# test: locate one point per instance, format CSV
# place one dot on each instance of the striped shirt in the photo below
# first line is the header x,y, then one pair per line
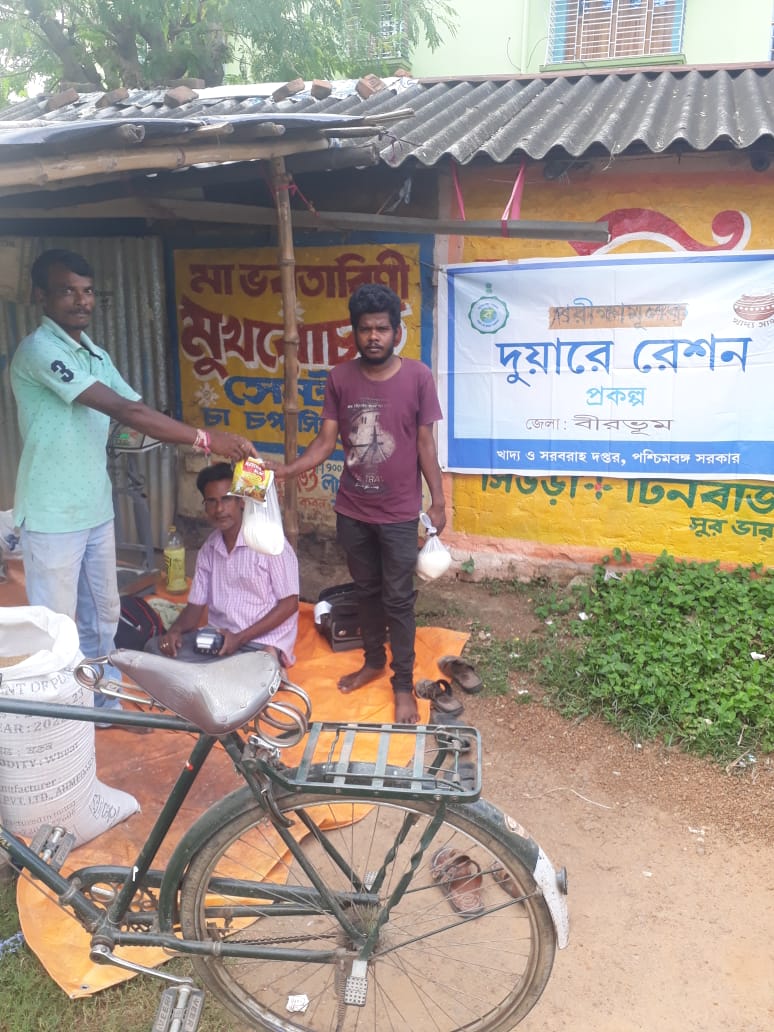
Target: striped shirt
x,y
242,586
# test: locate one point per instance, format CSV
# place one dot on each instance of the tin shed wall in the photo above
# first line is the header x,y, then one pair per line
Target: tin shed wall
x,y
130,322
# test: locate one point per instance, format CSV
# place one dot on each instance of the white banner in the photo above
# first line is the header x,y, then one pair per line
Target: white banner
x,y
638,366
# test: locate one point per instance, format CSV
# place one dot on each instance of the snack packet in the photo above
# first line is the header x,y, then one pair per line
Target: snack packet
x,y
251,479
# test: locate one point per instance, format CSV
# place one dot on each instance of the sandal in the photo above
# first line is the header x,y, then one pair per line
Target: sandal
x,y
460,880
504,880
462,673
440,695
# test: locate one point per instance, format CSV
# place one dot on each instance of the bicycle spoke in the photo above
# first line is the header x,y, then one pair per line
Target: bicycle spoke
x,y
431,968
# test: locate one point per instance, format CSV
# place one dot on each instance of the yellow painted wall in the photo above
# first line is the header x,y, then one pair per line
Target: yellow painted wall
x,y
509,524
662,205
697,519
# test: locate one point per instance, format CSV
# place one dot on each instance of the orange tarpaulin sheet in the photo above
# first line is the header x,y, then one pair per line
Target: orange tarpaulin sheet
x,y
146,766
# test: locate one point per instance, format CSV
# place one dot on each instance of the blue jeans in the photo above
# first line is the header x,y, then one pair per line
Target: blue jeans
x,y
381,560
75,574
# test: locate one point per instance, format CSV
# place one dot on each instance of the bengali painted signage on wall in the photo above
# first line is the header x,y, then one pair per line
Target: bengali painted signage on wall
x,y
230,340
230,330
642,366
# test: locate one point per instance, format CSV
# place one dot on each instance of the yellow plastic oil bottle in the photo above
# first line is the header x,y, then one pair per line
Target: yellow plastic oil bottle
x,y
174,563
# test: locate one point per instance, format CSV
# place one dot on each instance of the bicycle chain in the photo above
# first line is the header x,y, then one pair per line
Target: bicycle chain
x,y
276,940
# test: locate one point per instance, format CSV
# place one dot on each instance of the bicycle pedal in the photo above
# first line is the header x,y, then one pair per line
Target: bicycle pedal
x,y
356,985
52,844
180,1008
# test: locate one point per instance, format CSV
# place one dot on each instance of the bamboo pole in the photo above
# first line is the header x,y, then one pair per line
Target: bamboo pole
x,y
44,171
287,264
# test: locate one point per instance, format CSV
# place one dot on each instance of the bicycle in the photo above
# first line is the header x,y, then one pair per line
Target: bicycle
x,y
320,896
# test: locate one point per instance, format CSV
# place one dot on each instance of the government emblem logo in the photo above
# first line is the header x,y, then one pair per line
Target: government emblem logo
x,y
489,313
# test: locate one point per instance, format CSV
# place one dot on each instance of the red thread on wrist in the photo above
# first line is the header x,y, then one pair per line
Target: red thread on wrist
x,y
202,442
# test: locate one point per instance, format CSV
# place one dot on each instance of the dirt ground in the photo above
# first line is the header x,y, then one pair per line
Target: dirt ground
x,y
670,859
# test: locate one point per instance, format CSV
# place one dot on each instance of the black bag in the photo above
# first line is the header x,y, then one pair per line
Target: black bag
x,y
137,624
337,617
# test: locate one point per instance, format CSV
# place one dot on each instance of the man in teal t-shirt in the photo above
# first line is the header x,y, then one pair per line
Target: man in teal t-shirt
x,y
67,390
62,483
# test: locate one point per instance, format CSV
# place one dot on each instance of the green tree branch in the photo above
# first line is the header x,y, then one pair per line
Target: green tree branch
x,y
145,43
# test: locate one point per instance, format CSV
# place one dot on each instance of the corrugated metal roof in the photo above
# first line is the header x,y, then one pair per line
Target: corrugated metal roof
x,y
574,114
587,114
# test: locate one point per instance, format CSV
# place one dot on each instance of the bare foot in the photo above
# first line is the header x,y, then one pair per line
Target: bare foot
x,y
406,711
366,674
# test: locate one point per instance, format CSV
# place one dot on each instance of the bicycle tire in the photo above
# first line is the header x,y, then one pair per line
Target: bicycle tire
x,y
433,969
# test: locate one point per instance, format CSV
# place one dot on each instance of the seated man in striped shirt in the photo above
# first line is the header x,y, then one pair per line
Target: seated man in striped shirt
x,y
251,599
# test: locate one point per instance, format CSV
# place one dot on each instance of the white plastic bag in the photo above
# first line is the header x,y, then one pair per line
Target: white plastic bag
x,y
434,557
262,524
48,772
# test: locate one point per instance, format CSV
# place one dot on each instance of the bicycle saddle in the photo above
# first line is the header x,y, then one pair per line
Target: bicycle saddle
x,y
218,697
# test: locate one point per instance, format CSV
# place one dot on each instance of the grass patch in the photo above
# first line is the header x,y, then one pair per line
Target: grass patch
x,y
498,661
493,658
33,1002
681,651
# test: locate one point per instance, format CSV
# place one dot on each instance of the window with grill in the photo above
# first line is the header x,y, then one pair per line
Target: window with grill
x,y
598,30
388,41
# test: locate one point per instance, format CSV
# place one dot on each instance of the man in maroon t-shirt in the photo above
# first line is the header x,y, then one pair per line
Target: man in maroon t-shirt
x,y
383,407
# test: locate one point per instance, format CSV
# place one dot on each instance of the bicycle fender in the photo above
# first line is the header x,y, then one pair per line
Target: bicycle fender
x,y
190,844
552,883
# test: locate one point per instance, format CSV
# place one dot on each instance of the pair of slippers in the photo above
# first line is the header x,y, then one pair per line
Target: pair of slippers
x,y
458,674
461,674
461,880
442,700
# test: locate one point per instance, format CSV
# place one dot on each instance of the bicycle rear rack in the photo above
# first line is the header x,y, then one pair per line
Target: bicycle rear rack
x,y
370,760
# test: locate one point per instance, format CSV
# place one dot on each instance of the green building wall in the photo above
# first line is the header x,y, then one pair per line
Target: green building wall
x,y
509,37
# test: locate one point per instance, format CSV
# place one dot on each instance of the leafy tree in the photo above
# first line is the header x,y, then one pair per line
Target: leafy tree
x,y
140,43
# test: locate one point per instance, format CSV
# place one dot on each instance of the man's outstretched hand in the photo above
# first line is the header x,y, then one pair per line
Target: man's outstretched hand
x,y
231,446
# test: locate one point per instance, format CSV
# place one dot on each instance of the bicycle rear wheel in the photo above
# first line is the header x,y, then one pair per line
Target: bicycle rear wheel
x,y
433,968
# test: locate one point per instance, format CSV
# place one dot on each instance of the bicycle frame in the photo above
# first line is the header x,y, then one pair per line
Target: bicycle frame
x,y
104,922
367,863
